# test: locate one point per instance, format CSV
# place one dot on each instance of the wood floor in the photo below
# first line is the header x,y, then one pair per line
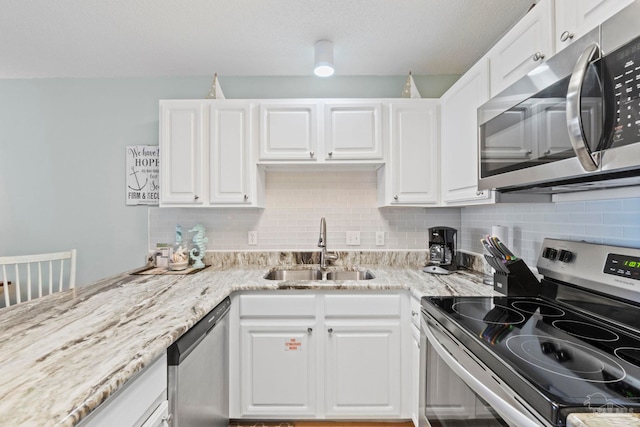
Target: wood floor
x,y
319,424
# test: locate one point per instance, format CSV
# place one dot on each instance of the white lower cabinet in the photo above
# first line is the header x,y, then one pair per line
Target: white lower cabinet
x,y
324,355
142,402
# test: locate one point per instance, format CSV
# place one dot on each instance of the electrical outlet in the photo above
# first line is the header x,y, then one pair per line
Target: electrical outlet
x,y
252,238
353,238
379,238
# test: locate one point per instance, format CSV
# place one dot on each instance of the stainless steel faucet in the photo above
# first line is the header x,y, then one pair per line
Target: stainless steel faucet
x,y
322,243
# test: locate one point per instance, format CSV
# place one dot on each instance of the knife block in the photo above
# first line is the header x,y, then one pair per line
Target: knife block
x,y
519,282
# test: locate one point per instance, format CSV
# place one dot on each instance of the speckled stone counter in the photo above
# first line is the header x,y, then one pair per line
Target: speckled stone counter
x,y
64,354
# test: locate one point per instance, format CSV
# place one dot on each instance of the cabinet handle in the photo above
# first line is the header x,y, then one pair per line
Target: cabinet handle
x,y
528,152
414,313
395,197
311,154
309,330
479,193
246,197
566,35
538,56
547,152
330,330
330,153
195,197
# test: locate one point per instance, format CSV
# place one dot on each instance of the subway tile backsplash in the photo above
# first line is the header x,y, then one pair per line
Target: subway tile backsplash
x,y
295,202
612,222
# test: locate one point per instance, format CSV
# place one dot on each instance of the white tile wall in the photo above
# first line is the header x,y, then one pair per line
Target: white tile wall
x,y
295,202
614,222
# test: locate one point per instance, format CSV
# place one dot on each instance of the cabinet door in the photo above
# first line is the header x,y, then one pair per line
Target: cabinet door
x,y
278,369
288,131
181,157
415,374
459,136
523,48
362,361
574,18
353,130
229,153
414,153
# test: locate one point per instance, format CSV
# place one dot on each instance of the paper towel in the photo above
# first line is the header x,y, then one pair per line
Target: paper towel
x,y
501,232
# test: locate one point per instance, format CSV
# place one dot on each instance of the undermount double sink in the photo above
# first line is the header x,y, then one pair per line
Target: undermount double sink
x,y
348,273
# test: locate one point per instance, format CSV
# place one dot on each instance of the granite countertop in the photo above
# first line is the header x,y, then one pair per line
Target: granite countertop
x,y
64,354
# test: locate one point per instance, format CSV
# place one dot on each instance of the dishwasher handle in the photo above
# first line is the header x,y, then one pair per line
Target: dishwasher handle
x,y
184,345
511,414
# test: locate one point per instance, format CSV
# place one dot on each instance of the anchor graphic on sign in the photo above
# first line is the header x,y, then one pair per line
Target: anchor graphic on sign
x,y
134,172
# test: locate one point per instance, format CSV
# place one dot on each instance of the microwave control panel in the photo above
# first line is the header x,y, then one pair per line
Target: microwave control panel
x,y
623,66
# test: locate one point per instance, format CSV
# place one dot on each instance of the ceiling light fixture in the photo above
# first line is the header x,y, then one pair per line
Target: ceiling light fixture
x,y
323,58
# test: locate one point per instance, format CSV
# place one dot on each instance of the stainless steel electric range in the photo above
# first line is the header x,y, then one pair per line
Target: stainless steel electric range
x,y
533,360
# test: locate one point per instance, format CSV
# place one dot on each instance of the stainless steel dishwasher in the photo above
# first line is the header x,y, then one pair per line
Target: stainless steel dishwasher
x,y
198,372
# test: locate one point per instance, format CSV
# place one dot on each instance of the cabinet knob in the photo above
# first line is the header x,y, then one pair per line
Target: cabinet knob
x,y
330,153
538,56
414,313
167,419
330,330
395,197
528,152
309,330
311,154
566,35
195,197
547,152
246,197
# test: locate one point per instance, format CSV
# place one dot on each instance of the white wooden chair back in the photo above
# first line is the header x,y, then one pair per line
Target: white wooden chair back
x,y
15,269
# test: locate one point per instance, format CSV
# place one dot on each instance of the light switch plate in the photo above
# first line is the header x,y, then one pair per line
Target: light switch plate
x,y
252,237
379,238
353,238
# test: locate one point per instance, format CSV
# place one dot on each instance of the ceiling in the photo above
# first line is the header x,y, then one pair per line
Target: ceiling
x,y
150,38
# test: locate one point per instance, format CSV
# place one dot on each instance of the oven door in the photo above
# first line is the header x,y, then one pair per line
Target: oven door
x,y
459,390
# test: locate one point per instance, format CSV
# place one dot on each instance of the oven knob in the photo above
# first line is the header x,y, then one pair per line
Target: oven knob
x,y
565,256
562,356
549,253
547,347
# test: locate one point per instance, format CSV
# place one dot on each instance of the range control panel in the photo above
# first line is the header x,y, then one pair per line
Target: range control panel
x,y
591,265
623,265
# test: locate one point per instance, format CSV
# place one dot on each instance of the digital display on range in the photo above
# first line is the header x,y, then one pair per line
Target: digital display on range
x,y
623,265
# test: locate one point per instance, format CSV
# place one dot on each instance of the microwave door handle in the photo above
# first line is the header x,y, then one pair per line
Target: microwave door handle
x,y
587,159
512,415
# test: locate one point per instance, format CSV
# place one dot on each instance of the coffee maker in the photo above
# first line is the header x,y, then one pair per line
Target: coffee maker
x,y
442,251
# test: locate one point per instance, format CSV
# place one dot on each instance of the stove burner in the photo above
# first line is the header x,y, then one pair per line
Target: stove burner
x,y
566,359
498,315
531,307
628,354
585,330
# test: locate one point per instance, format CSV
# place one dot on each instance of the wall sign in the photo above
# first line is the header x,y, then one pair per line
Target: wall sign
x,y
143,175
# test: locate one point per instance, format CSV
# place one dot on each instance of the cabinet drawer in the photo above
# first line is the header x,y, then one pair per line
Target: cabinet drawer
x,y
362,305
277,306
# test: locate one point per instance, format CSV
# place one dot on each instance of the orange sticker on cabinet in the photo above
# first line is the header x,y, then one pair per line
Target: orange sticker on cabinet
x,y
292,344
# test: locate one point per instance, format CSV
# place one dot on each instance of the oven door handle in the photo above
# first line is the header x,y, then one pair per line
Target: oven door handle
x,y
589,161
512,415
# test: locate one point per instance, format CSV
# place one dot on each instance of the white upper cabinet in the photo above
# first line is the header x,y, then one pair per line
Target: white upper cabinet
x,y
230,153
206,154
181,143
353,130
410,176
289,130
459,136
574,18
524,47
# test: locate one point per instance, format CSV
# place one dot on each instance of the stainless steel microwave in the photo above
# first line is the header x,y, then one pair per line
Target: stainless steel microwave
x,y
573,123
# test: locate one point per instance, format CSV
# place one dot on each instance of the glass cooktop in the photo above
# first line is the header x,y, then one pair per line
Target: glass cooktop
x,y
571,358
